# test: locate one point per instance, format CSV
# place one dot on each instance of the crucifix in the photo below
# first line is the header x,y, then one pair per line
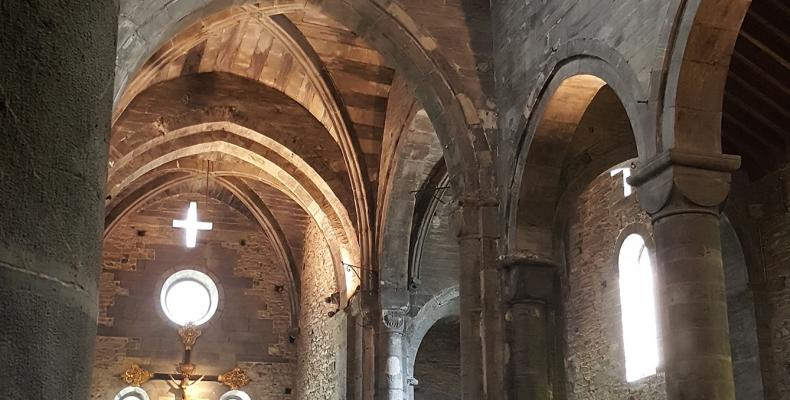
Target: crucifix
x,y
191,225
185,371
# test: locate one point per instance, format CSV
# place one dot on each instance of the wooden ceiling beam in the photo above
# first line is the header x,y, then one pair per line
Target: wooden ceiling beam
x,y
740,61
768,143
737,108
758,57
736,86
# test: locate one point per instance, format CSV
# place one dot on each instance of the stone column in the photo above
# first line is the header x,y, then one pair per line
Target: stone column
x,y
481,319
56,85
355,360
469,321
682,192
529,293
391,382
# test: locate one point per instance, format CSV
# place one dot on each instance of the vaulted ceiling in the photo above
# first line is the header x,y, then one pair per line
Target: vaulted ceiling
x,y
285,115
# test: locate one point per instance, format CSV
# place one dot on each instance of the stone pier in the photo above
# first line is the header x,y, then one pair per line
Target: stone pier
x,y
56,82
682,192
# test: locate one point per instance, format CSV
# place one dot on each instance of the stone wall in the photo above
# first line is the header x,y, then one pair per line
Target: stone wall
x,y
742,319
321,350
531,37
759,214
594,354
438,363
440,255
252,323
595,359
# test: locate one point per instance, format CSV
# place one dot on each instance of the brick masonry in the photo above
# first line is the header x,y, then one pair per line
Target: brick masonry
x,y
252,323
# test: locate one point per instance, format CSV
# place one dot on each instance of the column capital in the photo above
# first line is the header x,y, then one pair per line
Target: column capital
x,y
528,280
676,182
393,320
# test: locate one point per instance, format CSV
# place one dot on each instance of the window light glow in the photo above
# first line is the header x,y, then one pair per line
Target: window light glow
x,y
627,189
188,301
189,296
191,225
132,393
637,299
235,395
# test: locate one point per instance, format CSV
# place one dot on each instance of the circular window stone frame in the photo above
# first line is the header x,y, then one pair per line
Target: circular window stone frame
x,y
196,276
132,393
235,395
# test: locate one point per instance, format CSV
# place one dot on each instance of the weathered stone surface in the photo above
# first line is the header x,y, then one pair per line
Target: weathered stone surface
x,y
595,357
55,100
321,369
758,213
683,192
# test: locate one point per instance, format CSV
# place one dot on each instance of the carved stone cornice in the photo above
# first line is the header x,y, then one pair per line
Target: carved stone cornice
x,y
677,182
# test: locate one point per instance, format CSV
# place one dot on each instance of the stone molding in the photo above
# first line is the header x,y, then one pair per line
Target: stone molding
x,y
528,280
678,182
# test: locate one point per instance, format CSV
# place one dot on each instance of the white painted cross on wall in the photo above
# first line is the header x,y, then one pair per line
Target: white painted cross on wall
x,y
191,225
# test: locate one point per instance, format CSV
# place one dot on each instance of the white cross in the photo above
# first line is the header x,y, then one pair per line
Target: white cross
x,y
192,225
627,190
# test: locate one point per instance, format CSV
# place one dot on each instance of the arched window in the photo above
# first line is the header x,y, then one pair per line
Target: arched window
x,y
637,300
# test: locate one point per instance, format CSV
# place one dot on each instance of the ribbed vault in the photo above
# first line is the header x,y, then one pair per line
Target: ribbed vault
x,y
249,133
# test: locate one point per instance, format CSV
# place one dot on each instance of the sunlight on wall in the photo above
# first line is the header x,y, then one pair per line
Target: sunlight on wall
x,y
637,299
627,189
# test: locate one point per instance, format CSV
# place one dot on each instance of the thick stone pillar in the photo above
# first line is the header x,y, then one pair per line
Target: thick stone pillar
x,y
529,293
56,84
481,318
360,359
391,380
682,192
469,321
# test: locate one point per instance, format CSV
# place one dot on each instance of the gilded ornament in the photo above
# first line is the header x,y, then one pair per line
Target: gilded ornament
x,y
189,334
136,376
235,378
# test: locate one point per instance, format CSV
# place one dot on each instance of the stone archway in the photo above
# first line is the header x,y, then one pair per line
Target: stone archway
x,y
687,97
444,305
566,96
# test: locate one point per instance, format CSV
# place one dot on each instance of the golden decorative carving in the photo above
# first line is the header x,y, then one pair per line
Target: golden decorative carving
x,y
235,378
136,376
189,334
186,368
